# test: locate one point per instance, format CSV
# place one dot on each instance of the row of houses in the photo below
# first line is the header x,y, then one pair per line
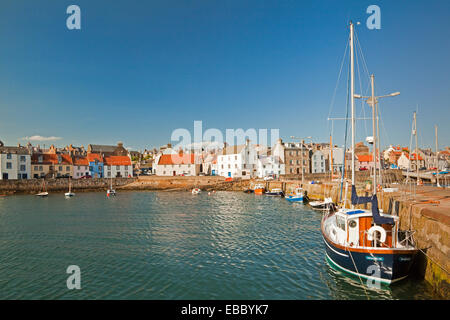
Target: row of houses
x,y
248,160
98,161
291,158
245,160
401,158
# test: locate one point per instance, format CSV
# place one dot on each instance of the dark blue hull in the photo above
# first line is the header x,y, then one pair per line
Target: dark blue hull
x,y
280,194
384,267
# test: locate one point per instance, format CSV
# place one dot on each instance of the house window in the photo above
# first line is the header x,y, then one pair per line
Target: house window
x,y
22,158
235,157
8,156
22,167
35,168
41,168
60,168
117,167
8,165
67,168
91,168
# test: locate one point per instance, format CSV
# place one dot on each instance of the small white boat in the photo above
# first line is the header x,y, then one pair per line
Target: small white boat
x,y
274,192
70,193
324,205
196,191
111,191
43,192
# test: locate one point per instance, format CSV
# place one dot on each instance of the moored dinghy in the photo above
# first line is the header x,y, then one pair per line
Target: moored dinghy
x,y
275,192
325,205
259,189
196,191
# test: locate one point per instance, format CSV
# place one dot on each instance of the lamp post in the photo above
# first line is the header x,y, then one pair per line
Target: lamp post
x,y
373,101
302,141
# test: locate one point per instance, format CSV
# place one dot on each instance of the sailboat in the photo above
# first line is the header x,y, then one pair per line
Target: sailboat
x,y
70,193
111,191
366,243
43,192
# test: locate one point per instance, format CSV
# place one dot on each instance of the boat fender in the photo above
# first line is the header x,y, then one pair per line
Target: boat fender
x,y
371,233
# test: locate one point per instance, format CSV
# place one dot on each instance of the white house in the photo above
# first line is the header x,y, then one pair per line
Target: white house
x,y
209,164
405,161
15,163
269,165
117,166
176,164
318,162
80,167
237,161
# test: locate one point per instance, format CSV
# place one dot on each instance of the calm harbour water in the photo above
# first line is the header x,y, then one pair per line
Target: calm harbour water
x,y
172,245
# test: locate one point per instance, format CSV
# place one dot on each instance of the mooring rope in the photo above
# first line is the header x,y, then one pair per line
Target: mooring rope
x,y
434,261
357,272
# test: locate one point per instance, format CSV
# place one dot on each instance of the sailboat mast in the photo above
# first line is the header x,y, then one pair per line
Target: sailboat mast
x,y
372,80
417,148
437,154
380,180
352,98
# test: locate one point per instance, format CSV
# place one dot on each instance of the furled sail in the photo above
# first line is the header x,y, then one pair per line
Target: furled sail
x,y
377,218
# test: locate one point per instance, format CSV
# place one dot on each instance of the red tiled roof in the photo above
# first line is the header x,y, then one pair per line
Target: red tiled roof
x,y
365,158
177,159
51,158
117,161
413,156
80,161
94,156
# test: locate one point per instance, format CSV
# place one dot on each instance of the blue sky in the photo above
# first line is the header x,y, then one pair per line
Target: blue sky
x,y
137,70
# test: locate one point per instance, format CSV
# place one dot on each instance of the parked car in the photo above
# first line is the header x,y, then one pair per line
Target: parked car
x,y
86,177
423,168
268,178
